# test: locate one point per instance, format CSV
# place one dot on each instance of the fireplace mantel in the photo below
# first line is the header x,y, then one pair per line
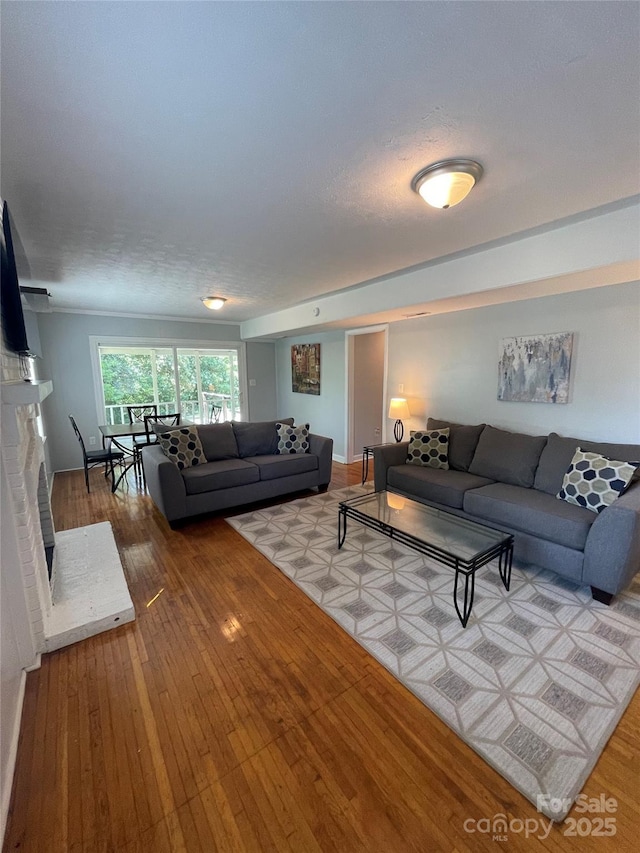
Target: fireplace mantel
x,y
21,393
15,395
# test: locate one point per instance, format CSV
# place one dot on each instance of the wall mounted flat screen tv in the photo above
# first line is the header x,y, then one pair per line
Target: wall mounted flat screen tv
x,y
13,325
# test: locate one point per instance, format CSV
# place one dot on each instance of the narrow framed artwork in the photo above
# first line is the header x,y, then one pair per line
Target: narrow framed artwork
x,y
535,369
305,369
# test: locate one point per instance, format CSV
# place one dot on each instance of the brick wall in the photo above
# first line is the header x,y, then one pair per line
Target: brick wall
x,y
23,461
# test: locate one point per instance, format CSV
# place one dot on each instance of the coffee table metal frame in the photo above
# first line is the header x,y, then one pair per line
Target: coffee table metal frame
x,y
463,567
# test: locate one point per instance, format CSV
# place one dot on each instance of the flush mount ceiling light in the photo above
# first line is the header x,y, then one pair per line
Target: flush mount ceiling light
x,y
447,182
213,302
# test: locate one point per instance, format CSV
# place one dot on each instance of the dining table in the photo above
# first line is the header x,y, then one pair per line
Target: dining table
x,y
115,433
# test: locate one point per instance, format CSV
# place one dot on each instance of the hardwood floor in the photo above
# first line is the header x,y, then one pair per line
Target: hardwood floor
x,y
234,715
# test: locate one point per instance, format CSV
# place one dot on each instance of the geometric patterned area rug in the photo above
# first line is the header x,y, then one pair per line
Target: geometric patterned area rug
x,y
536,682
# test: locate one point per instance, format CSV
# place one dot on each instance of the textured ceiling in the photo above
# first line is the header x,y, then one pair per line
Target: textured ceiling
x,y
156,152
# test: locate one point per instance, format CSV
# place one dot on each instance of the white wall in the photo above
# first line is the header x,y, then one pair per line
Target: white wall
x,y
325,413
448,364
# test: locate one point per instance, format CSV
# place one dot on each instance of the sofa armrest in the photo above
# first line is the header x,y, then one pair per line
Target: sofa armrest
x,y
323,449
165,483
383,458
612,550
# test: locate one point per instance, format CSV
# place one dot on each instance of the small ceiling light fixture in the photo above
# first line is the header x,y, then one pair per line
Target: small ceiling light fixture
x,y
447,182
213,302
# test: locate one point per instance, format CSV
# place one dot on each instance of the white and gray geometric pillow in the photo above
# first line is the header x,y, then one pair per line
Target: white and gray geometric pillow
x,y
430,448
293,439
182,446
593,481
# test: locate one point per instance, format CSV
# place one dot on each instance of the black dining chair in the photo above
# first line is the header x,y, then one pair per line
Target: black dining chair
x,y
215,414
172,419
150,434
150,421
92,458
136,414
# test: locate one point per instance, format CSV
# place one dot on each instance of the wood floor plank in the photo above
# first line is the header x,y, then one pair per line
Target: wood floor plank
x,y
256,834
233,715
215,821
21,819
150,722
147,800
323,804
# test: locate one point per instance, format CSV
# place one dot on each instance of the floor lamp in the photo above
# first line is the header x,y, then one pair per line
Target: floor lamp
x,y
398,409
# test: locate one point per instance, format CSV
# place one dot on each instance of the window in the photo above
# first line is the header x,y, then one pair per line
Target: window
x,y
203,383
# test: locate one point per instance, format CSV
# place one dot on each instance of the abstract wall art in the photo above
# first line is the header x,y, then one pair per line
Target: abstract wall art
x,y
305,369
535,369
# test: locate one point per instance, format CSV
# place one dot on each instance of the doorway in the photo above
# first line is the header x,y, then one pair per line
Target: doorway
x,y
366,388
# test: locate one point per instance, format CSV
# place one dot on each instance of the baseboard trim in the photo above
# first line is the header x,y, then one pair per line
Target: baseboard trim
x,y
9,770
36,664
340,459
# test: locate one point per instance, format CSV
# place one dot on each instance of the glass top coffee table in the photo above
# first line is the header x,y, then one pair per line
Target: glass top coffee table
x,y
464,546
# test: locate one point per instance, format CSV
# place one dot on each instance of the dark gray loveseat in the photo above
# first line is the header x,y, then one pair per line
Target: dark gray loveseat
x,y
242,466
510,481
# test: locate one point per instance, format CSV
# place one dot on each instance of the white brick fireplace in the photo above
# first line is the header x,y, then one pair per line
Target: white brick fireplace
x,y
84,596
24,464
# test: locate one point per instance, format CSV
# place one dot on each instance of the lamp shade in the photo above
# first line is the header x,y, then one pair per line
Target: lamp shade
x,y
213,302
399,408
447,183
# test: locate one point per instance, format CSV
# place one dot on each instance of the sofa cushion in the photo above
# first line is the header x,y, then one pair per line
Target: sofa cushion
x,y
218,441
279,465
434,484
182,446
463,441
292,439
509,457
532,512
595,481
430,448
558,453
257,438
223,474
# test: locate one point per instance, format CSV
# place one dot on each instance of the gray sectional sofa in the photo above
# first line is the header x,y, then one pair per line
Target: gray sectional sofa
x,y
510,481
242,466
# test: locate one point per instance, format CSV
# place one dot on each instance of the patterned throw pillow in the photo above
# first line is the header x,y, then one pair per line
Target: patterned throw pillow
x,y
594,482
293,439
429,448
183,447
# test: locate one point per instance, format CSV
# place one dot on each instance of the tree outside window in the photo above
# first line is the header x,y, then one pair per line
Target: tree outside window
x,y
143,376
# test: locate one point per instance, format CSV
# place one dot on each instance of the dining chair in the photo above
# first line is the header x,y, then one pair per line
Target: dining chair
x,y
90,458
150,435
136,413
150,421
